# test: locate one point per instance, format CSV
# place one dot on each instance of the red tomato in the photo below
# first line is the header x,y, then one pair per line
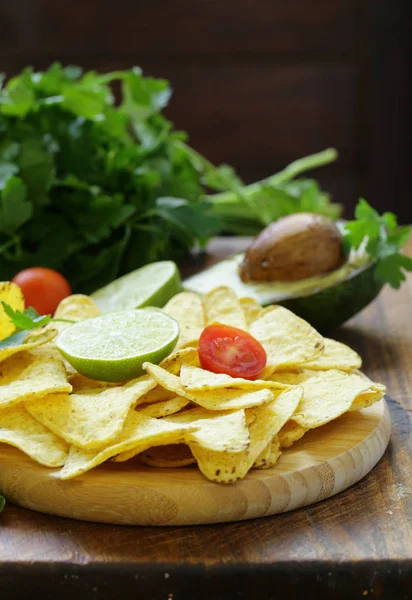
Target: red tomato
x,y
42,288
225,349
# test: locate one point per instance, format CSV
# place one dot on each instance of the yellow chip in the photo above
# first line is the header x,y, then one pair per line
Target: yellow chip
x,y
11,294
168,457
30,375
226,467
80,382
251,309
220,432
287,339
77,307
212,400
270,456
19,429
332,393
335,356
36,338
163,409
187,309
139,432
223,306
93,418
290,433
176,359
194,379
171,363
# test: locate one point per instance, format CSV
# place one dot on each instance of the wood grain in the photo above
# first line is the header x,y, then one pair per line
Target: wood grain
x,y
206,26
324,463
355,545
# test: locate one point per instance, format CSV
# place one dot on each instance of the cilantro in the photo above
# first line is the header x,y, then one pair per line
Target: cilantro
x,y
95,184
24,322
29,319
384,240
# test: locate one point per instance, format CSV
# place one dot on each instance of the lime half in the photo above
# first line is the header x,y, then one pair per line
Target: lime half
x,y
152,285
113,347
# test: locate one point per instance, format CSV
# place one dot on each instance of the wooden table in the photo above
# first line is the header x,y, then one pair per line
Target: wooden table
x,y
355,545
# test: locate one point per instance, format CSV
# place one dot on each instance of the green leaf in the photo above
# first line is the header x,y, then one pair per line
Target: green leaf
x,y
384,240
36,169
18,97
83,103
2,503
144,96
15,209
390,269
16,339
27,320
6,171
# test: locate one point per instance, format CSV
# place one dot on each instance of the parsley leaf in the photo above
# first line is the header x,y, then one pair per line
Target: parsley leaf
x,y
27,320
384,240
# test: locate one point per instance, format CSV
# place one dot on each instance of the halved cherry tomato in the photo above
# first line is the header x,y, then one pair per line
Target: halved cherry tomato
x,y
42,288
225,349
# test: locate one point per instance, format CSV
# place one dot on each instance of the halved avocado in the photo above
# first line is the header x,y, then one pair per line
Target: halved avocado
x,y
325,301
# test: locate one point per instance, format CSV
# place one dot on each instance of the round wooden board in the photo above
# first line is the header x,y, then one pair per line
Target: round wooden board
x,y
323,463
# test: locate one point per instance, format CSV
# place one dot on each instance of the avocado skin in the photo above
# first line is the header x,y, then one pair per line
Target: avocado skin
x,y
331,307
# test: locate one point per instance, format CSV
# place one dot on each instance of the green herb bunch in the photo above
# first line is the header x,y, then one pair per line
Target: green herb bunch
x,y
95,187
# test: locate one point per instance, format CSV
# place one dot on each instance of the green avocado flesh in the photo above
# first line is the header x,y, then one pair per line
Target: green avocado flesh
x,y
325,301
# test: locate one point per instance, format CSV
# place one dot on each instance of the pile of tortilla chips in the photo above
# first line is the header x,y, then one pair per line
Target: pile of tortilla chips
x,y
177,414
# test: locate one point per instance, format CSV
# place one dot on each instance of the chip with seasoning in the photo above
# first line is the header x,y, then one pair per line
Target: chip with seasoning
x,y
222,419
92,418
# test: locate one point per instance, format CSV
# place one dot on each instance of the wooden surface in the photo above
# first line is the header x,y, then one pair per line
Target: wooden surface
x,y
325,462
283,78
355,545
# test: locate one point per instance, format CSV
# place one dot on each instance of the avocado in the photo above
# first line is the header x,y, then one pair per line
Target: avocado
x,y
324,301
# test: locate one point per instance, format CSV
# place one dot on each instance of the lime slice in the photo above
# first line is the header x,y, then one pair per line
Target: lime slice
x,y
113,347
151,285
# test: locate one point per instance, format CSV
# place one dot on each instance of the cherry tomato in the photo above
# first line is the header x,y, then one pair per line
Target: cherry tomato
x,y
42,288
225,349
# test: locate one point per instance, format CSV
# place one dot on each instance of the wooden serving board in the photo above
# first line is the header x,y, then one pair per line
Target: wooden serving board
x,y
323,463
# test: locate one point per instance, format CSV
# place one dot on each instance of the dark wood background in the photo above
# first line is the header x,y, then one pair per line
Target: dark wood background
x,y
257,83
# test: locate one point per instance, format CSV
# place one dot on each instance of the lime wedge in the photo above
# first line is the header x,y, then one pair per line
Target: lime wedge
x,y
113,347
153,285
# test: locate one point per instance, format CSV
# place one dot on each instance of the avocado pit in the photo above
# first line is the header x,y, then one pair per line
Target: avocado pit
x,y
295,247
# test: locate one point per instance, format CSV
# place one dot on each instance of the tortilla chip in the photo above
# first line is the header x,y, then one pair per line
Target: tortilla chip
x,y
30,375
187,309
223,306
226,467
168,457
139,432
251,309
194,379
19,429
221,432
163,409
270,456
80,382
171,363
93,418
212,400
290,433
332,393
34,339
77,307
11,294
335,356
287,339
176,359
